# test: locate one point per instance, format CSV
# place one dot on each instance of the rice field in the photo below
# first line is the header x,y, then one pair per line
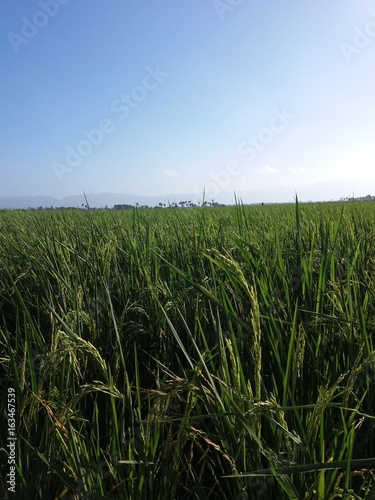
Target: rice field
x,y
209,353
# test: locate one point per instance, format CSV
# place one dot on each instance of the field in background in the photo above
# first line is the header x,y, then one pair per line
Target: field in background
x,y
212,353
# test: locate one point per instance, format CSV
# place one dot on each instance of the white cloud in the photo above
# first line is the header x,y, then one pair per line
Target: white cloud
x,y
266,169
298,170
170,173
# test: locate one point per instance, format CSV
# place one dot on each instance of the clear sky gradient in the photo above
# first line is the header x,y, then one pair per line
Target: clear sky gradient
x,y
159,97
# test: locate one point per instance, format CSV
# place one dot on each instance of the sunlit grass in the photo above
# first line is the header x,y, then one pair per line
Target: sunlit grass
x,y
194,353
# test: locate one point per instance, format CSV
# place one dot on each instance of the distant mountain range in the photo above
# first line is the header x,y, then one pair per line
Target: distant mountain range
x,y
318,192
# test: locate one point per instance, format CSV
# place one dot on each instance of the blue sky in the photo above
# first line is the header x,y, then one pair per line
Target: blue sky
x,y
158,97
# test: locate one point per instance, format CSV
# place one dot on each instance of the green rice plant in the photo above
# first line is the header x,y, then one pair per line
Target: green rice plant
x,y
194,353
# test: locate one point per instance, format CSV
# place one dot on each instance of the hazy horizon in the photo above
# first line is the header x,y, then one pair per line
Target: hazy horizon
x,y
267,196
162,98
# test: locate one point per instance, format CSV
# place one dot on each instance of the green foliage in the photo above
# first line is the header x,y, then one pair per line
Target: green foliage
x,y
219,353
